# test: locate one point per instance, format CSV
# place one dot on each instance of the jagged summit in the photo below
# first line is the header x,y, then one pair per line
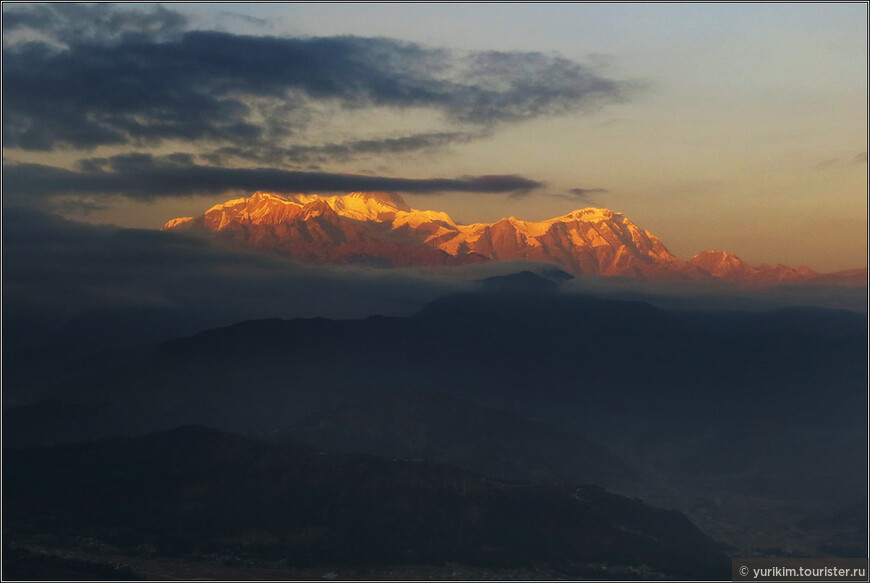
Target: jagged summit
x,y
269,206
591,214
728,266
381,229
526,282
719,262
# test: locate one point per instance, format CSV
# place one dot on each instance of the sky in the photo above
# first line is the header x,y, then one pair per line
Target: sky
x,y
740,127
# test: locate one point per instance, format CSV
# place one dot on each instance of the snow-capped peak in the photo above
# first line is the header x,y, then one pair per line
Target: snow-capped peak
x,y
381,227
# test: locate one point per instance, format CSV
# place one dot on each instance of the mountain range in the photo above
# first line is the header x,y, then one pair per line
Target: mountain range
x,y
380,229
517,431
752,424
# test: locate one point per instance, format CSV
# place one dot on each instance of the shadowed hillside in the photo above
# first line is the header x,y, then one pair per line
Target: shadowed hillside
x,y
195,491
751,423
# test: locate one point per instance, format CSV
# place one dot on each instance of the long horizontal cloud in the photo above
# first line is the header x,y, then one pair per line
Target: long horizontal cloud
x,y
584,192
144,177
157,83
579,194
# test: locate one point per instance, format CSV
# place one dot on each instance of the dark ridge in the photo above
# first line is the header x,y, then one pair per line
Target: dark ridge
x,y
501,444
193,491
21,564
526,282
722,415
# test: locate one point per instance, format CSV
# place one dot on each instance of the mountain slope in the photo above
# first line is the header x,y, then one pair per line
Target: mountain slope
x,y
498,444
194,491
538,349
380,229
729,267
660,390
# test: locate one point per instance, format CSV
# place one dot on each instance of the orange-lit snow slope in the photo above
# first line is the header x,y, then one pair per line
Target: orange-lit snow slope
x,y
378,228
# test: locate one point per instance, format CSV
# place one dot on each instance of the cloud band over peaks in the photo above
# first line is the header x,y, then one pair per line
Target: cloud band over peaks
x,y
142,176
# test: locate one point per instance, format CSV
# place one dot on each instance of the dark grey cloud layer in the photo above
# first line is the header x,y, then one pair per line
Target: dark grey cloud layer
x,y
341,151
73,23
580,194
584,192
144,177
147,82
842,163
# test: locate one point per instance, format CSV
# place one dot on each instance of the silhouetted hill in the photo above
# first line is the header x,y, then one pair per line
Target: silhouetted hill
x,y
733,407
23,564
499,444
782,322
192,491
527,282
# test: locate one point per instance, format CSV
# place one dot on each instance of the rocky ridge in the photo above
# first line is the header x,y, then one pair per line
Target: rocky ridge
x,y
380,229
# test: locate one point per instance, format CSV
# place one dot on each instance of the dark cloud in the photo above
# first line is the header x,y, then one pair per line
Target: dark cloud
x,y
841,163
343,151
585,192
246,18
72,23
829,164
105,88
143,176
509,86
80,205
580,194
